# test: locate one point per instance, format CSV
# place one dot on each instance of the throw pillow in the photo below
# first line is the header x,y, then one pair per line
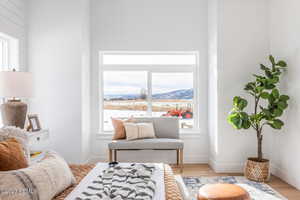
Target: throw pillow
x,y
120,132
43,180
11,155
20,135
139,130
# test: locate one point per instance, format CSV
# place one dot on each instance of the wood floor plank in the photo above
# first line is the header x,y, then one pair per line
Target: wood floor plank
x,y
288,191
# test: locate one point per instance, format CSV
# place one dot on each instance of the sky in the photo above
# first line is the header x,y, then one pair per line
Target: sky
x,y
131,82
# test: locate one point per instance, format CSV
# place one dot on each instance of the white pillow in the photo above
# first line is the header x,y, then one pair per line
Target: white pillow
x,y
139,130
43,180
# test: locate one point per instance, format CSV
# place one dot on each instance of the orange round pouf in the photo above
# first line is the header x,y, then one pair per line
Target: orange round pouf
x,y
222,192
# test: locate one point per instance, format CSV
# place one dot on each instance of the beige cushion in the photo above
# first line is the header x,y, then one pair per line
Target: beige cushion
x,y
119,129
20,135
139,130
43,180
11,155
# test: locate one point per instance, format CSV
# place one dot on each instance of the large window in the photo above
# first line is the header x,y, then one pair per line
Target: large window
x,y
148,84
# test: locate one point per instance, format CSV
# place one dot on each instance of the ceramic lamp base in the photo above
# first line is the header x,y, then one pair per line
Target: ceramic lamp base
x,y
14,113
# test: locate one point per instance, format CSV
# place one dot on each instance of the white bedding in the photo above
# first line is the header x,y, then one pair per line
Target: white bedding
x,y
158,176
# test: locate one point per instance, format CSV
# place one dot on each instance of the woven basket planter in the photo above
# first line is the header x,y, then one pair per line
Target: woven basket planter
x,y
257,171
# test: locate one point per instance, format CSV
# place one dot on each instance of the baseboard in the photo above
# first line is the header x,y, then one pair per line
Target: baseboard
x,y
226,167
282,174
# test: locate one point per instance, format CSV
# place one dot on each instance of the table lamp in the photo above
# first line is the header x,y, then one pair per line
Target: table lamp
x,y
14,86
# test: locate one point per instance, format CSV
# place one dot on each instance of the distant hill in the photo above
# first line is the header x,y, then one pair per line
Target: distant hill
x,y
176,94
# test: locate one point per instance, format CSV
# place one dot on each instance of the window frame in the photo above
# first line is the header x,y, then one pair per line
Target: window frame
x,y
150,69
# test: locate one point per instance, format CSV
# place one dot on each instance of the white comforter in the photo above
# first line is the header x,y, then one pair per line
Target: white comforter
x,y
158,176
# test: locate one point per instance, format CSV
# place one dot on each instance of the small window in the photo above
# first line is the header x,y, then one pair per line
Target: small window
x,y
9,53
154,84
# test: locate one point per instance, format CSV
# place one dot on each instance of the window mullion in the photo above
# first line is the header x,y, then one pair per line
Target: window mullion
x,y
149,96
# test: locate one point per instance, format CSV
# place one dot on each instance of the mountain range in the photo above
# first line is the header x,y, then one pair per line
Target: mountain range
x,y
175,94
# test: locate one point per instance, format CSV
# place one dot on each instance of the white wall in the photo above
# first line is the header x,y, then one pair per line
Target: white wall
x,y
240,44
285,44
13,21
143,25
238,40
59,59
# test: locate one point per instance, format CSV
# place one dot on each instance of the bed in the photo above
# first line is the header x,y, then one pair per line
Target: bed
x,y
171,189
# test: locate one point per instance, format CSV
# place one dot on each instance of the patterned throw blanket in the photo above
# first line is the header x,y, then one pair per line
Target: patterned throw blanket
x,y
120,183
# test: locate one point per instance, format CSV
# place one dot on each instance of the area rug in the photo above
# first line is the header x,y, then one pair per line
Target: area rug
x,y
257,191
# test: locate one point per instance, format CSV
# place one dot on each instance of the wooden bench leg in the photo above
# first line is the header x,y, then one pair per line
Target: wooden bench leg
x,y
110,155
177,152
115,155
181,160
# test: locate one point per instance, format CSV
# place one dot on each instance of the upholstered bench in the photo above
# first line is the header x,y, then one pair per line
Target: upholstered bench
x,y
167,138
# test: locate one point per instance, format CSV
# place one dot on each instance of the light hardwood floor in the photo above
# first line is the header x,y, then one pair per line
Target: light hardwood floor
x,y
277,184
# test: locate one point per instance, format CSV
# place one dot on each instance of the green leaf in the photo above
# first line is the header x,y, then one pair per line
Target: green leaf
x,y
272,60
236,101
274,80
250,86
266,112
259,89
258,76
242,104
235,120
271,99
277,112
264,95
275,93
244,116
282,63
282,105
246,124
268,74
263,67
284,98
276,124
270,86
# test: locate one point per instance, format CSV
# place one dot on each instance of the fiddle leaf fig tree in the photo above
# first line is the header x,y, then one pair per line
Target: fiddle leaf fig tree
x,y
269,103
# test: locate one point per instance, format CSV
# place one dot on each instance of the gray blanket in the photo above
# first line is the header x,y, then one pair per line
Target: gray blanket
x,y
120,183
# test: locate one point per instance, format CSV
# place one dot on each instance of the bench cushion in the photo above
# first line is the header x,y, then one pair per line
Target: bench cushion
x,y
165,127
144,144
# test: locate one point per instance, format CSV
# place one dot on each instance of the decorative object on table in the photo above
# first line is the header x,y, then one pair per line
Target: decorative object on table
x,y
39,144
266,113
34,123
13,86
256,190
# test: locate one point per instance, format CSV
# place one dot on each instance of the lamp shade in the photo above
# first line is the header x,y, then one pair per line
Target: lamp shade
x,y
16,84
